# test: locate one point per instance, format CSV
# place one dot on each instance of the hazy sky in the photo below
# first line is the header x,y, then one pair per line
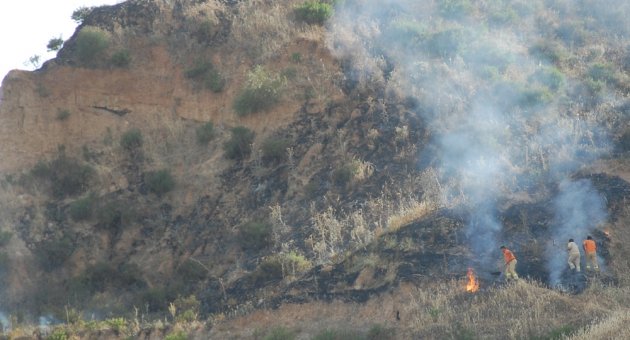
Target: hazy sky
x,y
26,26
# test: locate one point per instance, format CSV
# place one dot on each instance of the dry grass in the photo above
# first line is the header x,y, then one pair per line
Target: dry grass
x,y
409,211
521,310
336,231
263,28
612,327
443,310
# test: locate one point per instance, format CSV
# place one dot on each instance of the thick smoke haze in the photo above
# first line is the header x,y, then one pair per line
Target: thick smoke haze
x,y
504,119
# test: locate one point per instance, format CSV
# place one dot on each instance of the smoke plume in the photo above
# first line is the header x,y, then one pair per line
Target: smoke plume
x,y
505,119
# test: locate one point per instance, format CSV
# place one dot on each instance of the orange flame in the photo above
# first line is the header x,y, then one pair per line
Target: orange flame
x,y
473,284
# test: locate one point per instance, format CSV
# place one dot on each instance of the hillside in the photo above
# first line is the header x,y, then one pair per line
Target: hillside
x,y
319,169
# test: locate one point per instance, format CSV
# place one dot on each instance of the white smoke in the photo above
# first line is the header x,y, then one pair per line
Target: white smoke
x,y
5,325
512,132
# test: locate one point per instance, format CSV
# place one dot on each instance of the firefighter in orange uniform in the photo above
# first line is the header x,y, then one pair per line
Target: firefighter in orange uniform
x,y
510,264
590,248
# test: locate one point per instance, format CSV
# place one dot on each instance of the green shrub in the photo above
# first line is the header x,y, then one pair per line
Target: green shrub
x,y
338,334
313,12
623,143
261,92
501,13
269,270
454,9
291,263
81,209
58,333
344,174
52,253
205,31
274,150
41,170
625,61
116,324
154,298
114,215
69,177
187,308
593,87
571,33
379,332
191,272
602,72
409,33
5,238
131,140
120,58
79,14
239,145
255,235
296,57
550,77
66,176
279,333
562,332
205,133
207,75
489,55
93,279
54,44
445,44
532,97
91,44
548,50
63,114
289,73
179,335
4,264
159,182
101,276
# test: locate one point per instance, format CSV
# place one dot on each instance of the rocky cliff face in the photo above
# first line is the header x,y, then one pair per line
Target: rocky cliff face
x,y
151,92
81,109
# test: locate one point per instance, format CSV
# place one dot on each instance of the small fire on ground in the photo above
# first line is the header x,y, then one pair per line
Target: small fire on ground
x,y
473,285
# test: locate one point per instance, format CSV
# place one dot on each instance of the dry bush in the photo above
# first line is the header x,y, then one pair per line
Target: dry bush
x,y
414,199
206,10
362,169
328,238
336,231
408,211
612,327
262,28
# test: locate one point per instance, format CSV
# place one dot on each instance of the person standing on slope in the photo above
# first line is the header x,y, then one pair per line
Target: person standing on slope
x,y
510,264
574,256
590,249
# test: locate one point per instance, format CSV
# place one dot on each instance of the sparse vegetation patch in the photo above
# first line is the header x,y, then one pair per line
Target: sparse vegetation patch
x,y
314,12
239,145
255,235
262,91
91,45
159,182
205,133
65,175
205,74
